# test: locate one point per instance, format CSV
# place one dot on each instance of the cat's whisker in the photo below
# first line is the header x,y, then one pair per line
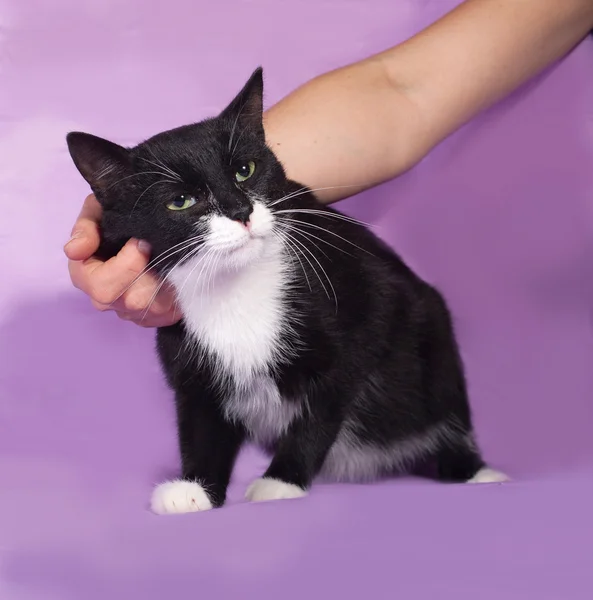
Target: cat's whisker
x,y
135,175
105,171
160,171
310,237
200,260
299,192
304,247
161,181
295,231
306,190
202,275
306,224
285,239
323,271
166,277
205,268
238,116
235,146
212,270
327,214
154,296
293,227
158,260
166,171
186,244
294,242
174,173
233,132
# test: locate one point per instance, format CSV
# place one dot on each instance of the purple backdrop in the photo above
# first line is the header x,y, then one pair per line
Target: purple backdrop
x,y
500,217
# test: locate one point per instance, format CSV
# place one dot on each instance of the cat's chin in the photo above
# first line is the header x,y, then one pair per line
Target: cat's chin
x,y
241,256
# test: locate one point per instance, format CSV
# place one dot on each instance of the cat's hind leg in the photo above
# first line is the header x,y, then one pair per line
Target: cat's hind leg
x,y
461,462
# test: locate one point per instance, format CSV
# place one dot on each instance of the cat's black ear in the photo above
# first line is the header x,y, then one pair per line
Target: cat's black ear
x,y
99,161
247,107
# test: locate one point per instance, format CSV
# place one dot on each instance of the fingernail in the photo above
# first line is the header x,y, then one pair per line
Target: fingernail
x,y
144,247
75,235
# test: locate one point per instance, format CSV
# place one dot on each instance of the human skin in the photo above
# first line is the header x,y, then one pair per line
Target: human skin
x,y
355,127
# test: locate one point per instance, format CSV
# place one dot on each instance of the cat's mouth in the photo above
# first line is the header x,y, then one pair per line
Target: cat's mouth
x,y
233,247
247,243
240,241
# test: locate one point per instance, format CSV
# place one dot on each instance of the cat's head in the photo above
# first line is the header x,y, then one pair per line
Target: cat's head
x,y
200,188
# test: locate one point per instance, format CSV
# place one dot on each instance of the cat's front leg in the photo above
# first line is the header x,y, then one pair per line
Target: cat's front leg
x,y
208,445
301,452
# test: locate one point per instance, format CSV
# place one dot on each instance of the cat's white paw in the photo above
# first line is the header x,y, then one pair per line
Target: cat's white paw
x,y
179,496
264,489
487,475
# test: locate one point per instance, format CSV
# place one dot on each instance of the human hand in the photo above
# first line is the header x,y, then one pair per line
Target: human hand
x,y
116,284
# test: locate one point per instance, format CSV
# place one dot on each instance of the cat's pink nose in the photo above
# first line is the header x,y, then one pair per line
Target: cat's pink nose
x,y
245,224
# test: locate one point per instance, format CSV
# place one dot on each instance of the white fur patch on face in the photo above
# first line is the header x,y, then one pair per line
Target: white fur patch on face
x,y
264,489
179,496
235,244
487,475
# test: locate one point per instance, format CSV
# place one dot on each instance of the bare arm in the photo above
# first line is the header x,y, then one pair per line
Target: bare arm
x,y
366,123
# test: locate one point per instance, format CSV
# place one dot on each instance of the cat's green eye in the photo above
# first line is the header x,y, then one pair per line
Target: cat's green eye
x,y
182,203
245,171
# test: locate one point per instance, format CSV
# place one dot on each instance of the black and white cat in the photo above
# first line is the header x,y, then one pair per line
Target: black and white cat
x,y
301,330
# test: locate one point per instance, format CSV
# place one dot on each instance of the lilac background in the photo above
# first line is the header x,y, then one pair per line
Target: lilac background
x,y
500,217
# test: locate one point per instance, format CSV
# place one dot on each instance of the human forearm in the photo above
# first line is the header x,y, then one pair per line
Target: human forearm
x,y
479,53
366,123
344,131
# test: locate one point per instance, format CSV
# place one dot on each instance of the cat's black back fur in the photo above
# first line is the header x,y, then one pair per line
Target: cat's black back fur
x,y
367,380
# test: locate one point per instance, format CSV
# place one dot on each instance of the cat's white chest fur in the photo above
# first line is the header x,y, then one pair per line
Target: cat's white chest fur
x,y
261,410
236,315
